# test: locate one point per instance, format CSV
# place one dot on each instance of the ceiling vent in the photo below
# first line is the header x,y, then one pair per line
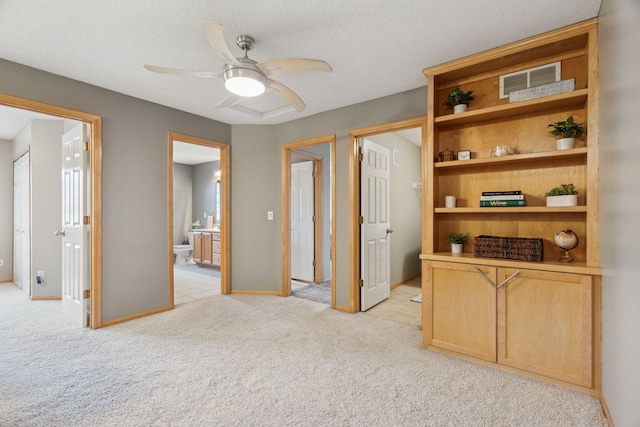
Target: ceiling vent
x,y
531,77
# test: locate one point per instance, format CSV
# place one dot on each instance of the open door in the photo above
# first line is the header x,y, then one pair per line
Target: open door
x,y
22,223
74,227
375,228
302,221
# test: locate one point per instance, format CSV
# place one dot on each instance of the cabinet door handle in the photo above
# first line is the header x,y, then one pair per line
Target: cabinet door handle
x,y
487,279
507,279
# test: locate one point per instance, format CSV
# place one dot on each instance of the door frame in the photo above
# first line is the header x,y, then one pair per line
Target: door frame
x,y
317,211
287,150
95,200
354,195
225,207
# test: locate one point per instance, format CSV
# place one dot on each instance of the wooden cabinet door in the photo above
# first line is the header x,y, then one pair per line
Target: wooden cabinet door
x,y
197,247
460,309
207,248
545,324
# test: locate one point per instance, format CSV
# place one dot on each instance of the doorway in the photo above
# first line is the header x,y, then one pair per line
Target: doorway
x,y
198,220
89,287
406,161
308,224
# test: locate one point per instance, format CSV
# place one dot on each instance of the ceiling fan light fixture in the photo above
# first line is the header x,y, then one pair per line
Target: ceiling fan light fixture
x,y
244,81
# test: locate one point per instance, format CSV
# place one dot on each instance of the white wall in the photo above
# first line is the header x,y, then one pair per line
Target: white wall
x,y
619,34
6,210
46,206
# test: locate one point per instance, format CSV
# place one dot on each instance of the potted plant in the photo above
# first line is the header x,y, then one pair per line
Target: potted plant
x,y
567,130
457,241
459,100
195,224
563,195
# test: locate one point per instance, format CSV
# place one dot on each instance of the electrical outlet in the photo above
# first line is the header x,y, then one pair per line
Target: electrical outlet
x,y
270,215
40,278
1,263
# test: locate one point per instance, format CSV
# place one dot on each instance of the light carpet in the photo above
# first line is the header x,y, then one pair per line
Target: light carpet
x,y
254,360
319,292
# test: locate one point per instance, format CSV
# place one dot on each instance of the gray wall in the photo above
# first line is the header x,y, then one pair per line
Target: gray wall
x,y
134,194
406,209
182,201
204,189
6,212
620,207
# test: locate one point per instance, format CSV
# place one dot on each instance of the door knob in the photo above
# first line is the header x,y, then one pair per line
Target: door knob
x,y
60,233
389,231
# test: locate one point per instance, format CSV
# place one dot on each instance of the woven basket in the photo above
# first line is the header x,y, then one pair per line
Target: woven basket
x,y
519,248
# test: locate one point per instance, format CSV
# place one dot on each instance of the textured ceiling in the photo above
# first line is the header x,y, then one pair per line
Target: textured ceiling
x,y
375,47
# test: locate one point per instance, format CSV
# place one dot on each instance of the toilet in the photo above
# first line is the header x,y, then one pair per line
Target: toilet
x,y
184,253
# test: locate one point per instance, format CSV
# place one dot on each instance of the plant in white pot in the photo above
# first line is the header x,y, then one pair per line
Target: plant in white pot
x,y
457,241
563,195
459,100
567,130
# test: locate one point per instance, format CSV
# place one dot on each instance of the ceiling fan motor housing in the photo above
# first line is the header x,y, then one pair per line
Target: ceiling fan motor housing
x,y
244,79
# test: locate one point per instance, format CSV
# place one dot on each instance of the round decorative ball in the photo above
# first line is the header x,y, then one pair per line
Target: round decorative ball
x,y
566,239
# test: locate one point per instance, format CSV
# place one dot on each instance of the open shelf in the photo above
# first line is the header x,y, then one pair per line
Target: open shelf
x,y
514,158
561,100
511,210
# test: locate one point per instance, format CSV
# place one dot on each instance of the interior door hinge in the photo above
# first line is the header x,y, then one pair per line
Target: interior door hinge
x,y
86,294
313,174
313,218
360,219
361,283
85,220
314,262
360,154
86,146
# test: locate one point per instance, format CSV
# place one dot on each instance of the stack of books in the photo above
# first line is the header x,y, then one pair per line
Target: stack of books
x,y
500,199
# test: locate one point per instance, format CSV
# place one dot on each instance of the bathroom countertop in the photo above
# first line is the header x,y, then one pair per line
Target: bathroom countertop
x,y
207,230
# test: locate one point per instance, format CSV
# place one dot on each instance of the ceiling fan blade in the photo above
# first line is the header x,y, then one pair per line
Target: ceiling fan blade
x,y
164,70
228,101
286,93
215,36
286,65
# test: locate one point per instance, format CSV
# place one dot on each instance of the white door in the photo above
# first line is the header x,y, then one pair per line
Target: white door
x,y
74,231
302,226
375,229
21,224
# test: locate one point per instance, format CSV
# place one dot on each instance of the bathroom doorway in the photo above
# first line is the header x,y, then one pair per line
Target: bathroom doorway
x,y
198,212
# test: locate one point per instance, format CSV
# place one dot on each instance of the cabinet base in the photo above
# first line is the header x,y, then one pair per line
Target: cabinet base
x,y
589,391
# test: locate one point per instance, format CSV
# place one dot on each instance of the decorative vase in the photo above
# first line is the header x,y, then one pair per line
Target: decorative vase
x,y
566,200
456,248
565,143
460,108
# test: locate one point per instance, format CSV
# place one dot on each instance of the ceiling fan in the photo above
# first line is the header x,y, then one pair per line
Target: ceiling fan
x,y
244,77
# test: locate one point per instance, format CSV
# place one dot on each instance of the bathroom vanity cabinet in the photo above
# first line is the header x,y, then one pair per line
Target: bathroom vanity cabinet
x,y
206,247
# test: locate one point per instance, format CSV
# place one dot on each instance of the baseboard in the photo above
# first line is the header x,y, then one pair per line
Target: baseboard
x,y
605,409
402,282
245,292
132,317
46,298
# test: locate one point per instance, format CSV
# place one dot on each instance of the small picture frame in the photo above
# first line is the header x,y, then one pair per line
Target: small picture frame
x,y
464,155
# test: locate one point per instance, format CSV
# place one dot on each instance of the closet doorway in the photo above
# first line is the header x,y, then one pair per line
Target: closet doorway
x,y
308,219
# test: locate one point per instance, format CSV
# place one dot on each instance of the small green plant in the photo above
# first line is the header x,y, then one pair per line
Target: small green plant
x,y
566,129
195,224
457,97
562,190
457,238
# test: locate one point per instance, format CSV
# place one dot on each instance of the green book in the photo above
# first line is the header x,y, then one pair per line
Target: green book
x,y
502,203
